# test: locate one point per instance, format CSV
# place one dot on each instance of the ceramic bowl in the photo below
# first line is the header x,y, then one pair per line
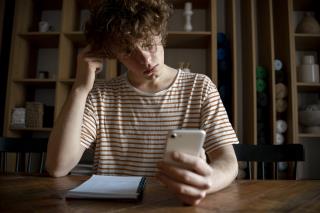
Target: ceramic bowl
x,y
309,118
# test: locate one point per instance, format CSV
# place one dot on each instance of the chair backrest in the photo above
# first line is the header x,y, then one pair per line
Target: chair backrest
x,y
24,150
274,154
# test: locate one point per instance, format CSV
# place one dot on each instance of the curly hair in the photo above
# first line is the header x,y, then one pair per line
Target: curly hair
x,y
125,23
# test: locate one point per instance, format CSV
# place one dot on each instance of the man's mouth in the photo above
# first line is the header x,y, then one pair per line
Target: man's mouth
x,y
150,70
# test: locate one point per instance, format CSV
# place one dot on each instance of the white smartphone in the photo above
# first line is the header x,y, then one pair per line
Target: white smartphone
x,y
189,141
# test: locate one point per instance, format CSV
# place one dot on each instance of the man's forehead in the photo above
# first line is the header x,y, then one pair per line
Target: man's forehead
x,y
116,46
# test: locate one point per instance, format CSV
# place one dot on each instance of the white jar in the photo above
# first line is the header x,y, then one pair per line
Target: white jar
x,y
308,70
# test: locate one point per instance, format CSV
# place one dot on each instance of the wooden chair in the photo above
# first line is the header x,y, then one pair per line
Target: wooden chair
x,y
263,153
24,148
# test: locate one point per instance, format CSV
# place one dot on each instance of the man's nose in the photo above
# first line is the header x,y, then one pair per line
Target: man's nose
x,y
144,56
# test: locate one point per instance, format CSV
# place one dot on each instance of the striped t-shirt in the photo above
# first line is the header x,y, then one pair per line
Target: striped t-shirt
x,y
127,128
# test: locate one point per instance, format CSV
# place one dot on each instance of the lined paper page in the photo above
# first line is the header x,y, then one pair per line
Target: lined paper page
x,y
107,187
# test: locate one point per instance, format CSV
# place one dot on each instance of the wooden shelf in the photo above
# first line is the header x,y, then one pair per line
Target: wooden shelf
x,y
308,87
181,39
76,37
303,5
309,135
71,81
196,4
307,41
43,40
43,83
51,4
178,4
32,129
68,81
176,39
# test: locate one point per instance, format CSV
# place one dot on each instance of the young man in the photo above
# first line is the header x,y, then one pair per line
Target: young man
x,y
127,119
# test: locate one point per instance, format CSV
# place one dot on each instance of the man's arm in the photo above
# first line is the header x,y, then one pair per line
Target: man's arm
x,y
64,148
225,166
199,178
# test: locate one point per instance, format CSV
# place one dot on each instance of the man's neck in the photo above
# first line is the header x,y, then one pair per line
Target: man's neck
x,y
157,84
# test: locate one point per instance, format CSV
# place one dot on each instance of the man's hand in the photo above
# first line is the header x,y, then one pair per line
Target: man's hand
x,y
87,67
190,183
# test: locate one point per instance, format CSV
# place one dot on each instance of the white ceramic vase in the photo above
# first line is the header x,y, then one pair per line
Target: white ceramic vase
x,y
308,70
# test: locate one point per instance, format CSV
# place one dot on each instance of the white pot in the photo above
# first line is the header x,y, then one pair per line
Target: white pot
x,y
308,71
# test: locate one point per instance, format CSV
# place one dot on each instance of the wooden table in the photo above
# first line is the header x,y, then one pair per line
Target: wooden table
x,y
45,194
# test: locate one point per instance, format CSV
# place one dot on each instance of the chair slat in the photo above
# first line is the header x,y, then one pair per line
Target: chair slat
x,y
22,146
263,153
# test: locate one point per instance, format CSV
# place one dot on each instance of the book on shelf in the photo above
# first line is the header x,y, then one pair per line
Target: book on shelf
x,y
109,187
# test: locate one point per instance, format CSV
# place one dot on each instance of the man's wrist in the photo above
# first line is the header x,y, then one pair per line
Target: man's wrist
x,y
80,92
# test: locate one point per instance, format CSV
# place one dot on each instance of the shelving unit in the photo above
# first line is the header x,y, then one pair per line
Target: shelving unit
x,y
66,39
303,42
268,33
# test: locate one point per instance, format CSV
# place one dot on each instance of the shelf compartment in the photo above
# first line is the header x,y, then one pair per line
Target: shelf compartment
x,y
42,83
180,39
304,5
72,80
44,40
176,39
307,42
176,3
76,37
308,87
309,135
32,129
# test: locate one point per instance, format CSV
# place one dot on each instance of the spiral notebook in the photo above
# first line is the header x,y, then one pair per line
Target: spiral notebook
x,y
109,187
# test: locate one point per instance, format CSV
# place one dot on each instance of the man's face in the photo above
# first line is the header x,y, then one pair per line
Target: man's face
x,y
144,62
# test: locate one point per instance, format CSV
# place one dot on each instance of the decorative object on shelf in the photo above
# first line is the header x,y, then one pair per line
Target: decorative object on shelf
x,y
43,74
34,114
278,64
309,118
224,71
308,70
262,99
44,26
262,105
261,72
281,126
188,13
281,91
279,139
221,53
18,117
282,166
308,24
261,85
281,105
280,74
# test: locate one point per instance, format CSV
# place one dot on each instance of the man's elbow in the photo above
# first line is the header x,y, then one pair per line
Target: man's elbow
x,y
235,171
55,172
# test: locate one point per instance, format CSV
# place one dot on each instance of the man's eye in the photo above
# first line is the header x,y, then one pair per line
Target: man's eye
x,y
149,47
126,53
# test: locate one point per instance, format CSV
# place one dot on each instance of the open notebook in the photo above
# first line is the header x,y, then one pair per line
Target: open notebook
x,y
109,187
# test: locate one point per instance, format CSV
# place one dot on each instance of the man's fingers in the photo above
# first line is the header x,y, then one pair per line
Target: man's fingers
x,y
193,163
184,176
203,154
181,188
